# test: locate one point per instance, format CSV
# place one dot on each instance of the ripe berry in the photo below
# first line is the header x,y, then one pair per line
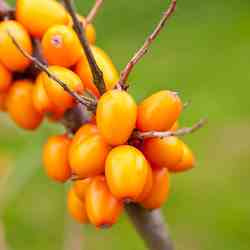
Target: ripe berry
x,y
5,79
187,161
61,46
126,170
175,126
20,105
11,57
55,158
110,73
60,98
3,97
76,207
81,187
88,153
159,112
159,191
166,152
103,208
116,116
37,16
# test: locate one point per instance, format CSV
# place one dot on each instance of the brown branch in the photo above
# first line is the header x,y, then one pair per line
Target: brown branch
x,y
180,132
151,227
89,103
144,49
96,72
93,12
6,11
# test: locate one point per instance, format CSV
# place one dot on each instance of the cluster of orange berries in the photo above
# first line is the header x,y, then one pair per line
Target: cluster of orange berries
x,y
109,165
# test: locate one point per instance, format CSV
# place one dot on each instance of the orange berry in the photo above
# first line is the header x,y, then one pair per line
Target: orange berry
x,y
110,73
116,116
76,207
5,79
147,187
160,189
20,105
175,126
166,152
61,46
187,161
126,171
89,29
81,187
88,153
55,158
60,98
11,57
159,112
3,97
37,16
103,208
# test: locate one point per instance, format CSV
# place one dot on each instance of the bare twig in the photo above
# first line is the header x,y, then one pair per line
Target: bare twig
x,y
96,72
89,103
180,132
93,12
144,49
150,225
5,10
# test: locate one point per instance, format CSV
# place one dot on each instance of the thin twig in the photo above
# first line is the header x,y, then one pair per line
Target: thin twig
x,y
96,72
180,132
93,12
89,103
144,49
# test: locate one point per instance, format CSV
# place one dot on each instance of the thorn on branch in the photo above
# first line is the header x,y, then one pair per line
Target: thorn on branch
x,y
89,103
93,12
144,49
95,70
180,132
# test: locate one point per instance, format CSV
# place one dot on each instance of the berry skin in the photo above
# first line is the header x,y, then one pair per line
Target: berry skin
x,y
166,152
5,79
116,116
11,57
55,158
60,98
3,97
81,187
187,161
61,46
126,170
110,73
160,190
37,16
175,126
76,207
20,105
159,112
88,153
103,208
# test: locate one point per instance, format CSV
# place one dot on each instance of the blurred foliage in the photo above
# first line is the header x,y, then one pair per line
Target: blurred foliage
x,y
203,53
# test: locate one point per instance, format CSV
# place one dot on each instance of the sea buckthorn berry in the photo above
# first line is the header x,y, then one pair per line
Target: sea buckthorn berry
x,y
166,152
3,97
126,170
103,208
175,126
55,158
5,79
20,105
11,57
187,162
37,16
60,98
160,189
89,29
81,187
61,46
76,207
110,73
147,187
159,112
87,156
116,116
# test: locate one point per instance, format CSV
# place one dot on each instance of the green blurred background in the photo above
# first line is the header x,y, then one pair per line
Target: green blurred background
x,y
203,53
